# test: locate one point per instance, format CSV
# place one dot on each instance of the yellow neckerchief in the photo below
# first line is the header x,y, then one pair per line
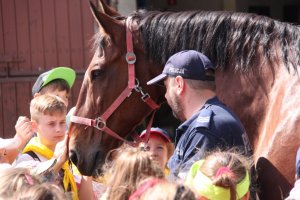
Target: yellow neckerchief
x,y
166,172
35,146
100,179
205,187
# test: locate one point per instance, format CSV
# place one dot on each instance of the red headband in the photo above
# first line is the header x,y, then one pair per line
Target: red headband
x,y
224,170
145,186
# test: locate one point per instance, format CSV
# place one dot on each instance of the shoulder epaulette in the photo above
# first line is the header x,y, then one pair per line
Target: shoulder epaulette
x,y
204,117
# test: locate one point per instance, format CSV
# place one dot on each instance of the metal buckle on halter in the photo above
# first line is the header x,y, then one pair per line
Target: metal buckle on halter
x,y
130,58
100,124
145,97
137,87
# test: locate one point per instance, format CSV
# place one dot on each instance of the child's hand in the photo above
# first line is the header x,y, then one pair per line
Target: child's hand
x,y
61,151
3,156
24,130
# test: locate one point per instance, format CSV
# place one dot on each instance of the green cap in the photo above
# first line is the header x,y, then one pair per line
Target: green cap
x,y
64,73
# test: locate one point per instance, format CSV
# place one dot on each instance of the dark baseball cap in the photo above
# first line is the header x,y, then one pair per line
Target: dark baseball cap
x,y
155,130
64,73
189,64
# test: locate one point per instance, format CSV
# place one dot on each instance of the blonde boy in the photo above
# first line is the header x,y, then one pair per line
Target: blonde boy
x,y
57,81
48,114
48,118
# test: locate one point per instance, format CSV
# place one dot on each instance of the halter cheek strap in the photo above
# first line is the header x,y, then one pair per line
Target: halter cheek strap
x,y
133,83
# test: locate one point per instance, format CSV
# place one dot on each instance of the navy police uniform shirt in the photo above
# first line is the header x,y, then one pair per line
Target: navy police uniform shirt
x,y
213,126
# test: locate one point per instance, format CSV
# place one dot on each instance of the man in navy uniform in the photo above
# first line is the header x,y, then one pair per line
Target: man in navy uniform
x,y
207,123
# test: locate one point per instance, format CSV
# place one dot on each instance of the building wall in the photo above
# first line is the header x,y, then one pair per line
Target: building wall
x,y
276,6
179,5
35,36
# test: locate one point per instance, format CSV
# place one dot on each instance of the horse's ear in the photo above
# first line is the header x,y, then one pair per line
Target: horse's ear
x,y
104,8
105,22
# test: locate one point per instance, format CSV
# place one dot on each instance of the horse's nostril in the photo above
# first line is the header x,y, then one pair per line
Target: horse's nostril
x,y
74,157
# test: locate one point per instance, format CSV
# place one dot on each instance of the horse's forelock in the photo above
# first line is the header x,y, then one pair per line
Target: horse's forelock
x,y
227,38
99,40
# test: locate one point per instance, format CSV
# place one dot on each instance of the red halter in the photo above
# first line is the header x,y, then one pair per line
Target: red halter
x,y
133,83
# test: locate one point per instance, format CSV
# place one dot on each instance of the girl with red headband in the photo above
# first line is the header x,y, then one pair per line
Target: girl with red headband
x,y
222,175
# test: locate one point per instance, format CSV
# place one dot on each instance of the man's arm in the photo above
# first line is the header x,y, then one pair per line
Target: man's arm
x,y
200,141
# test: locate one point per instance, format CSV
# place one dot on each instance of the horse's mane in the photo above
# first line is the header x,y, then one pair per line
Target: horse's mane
x,y
227,38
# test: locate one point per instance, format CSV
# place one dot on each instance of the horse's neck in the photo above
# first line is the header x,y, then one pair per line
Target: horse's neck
x,y
263,100
281,120
247,94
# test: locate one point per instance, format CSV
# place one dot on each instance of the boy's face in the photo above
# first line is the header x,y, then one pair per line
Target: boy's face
x,y
51,129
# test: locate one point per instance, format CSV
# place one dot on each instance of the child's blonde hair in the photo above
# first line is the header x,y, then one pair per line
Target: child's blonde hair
x,y
44,191
162,189
130,166
46,104
12,180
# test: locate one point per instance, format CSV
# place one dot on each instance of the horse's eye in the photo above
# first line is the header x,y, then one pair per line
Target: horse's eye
x,y
96,73
103,43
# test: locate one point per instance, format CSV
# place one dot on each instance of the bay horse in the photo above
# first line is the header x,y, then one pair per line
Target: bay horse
x,y
257,60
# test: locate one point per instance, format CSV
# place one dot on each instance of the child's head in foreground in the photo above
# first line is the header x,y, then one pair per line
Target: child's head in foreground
x,y
221,175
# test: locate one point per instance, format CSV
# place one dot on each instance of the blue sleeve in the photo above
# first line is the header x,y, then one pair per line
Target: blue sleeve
x,y
200,141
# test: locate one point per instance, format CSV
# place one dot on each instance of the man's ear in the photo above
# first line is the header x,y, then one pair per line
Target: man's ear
x,y
180,84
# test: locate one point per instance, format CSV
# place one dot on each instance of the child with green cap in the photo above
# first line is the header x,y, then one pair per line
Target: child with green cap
x,y
58,81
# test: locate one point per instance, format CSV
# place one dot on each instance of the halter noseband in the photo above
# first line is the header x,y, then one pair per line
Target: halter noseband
x,y
133,83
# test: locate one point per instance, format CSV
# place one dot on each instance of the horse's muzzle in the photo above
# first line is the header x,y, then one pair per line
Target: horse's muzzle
x,y
86,164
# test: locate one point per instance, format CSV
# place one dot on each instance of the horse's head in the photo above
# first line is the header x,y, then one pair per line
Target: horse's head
x,y
110,102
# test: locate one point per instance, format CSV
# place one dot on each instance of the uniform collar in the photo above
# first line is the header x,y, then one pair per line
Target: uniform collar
x,y
213,100
184,126
187,123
